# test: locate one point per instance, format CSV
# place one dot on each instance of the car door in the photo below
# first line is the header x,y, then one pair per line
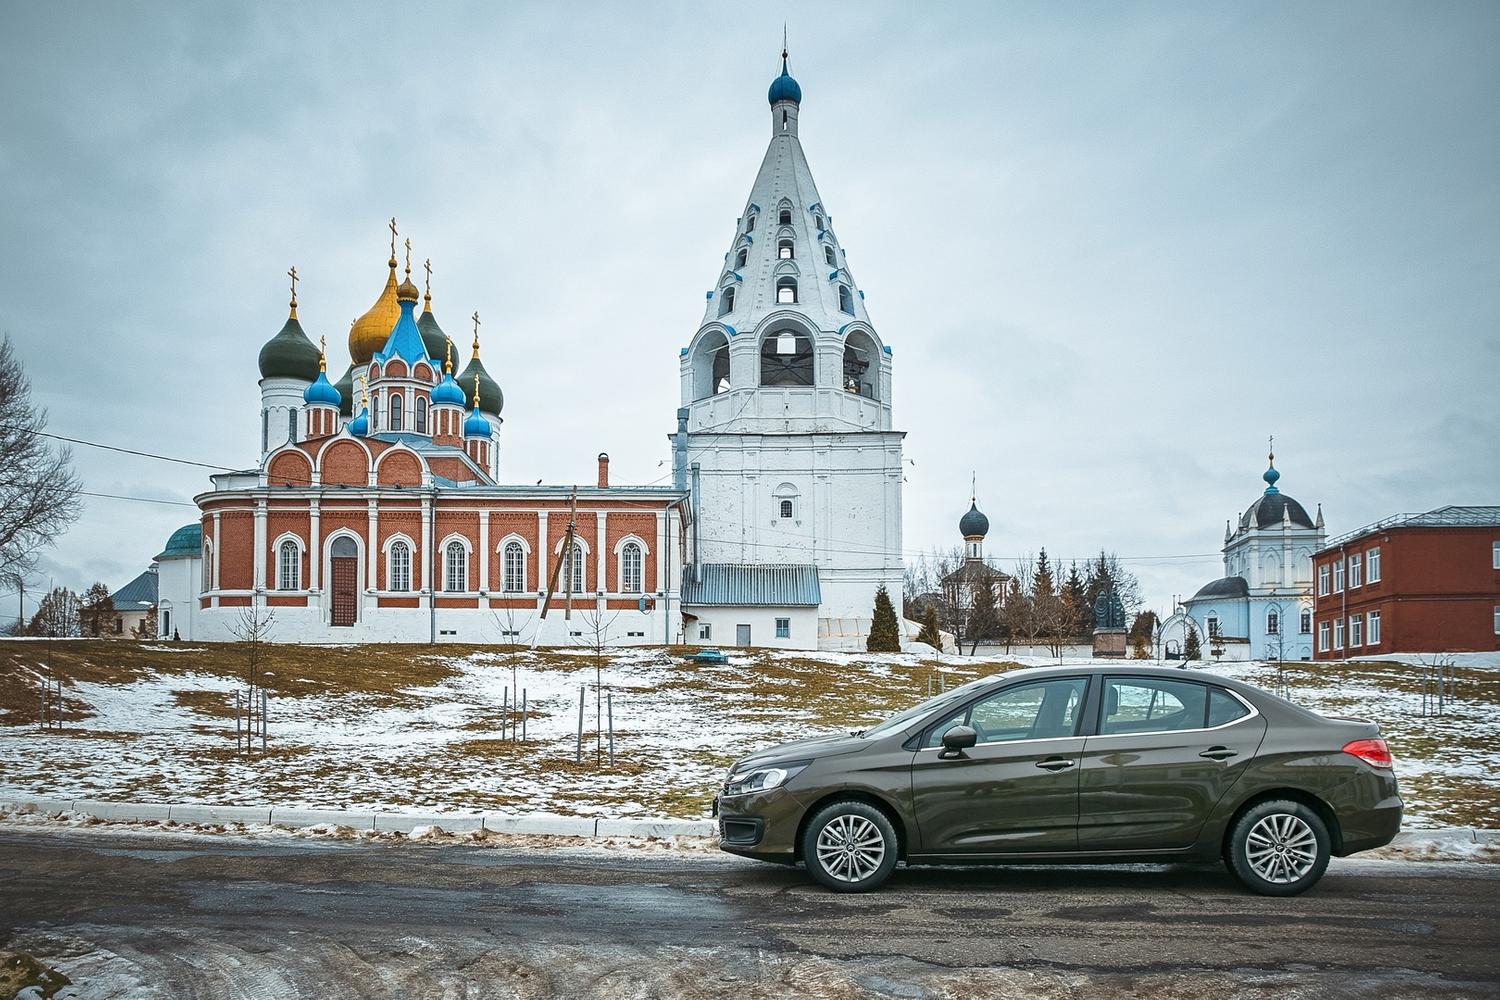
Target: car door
x,y
1016,790
1163,753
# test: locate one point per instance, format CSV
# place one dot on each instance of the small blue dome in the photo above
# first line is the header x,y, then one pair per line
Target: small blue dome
x,y
784,88
360,425
974,524
1270,476
476,426
448,391
322,392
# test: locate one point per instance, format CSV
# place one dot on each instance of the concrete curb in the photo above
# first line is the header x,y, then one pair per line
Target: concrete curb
x,y
535,824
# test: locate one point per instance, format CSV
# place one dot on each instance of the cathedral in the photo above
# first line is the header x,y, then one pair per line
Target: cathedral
x,y
379,510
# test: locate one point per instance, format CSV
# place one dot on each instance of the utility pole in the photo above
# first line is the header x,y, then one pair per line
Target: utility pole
x,y
557,567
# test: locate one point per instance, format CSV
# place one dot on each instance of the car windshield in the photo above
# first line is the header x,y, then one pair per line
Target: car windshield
x,y
930,705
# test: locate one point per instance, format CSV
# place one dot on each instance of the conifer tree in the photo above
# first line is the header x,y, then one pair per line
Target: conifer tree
x,y
1041,583
1080,612
885,631
1191,649
930,633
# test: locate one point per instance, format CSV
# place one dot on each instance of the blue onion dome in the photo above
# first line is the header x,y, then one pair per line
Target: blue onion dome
x,y
448,391
784,88
360,425
345,387
1270,476
322,392
290,354
973,524
476,426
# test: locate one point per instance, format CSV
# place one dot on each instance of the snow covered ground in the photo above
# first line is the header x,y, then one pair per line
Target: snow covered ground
x,y
423,730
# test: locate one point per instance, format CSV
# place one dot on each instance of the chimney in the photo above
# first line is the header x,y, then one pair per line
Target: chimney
x,y
603,471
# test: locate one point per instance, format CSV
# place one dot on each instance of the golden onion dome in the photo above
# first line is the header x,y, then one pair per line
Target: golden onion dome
x,y
373,329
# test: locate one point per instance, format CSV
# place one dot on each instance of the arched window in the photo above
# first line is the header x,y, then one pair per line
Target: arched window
x,y
740,258
208,566
785,250
630,568
291,425
1273,623
786,358
828,256
818,220
784,218
786,510
396,411
846,300
421,414
726,300
288,566
515,568
575,576
711,365
860,373
750,224
455,575
399,577
786,290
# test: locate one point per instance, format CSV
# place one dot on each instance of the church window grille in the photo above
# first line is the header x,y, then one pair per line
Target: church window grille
x,y
396,411
456,577
400,574
846,300
785,218
1273,623
1304,623
726,301
741,257
575,570
288,566
786,358
785,249
828,256
786,510
630,568
515,568
421,414
291,425
786,290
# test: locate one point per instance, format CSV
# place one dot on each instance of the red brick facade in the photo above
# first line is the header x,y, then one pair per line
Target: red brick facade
x,y
1434,589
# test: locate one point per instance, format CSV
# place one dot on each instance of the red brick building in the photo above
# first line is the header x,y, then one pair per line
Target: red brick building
x,y
1412,583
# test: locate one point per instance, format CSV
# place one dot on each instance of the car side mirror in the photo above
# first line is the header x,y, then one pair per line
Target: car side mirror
x,y
956,741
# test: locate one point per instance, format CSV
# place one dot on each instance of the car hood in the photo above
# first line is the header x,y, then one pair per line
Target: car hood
x,y
831,745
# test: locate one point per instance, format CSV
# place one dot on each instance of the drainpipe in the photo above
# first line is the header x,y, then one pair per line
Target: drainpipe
x,y
432,569
697,559
680,451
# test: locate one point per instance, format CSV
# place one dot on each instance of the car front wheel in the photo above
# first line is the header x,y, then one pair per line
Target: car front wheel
x,y
850,847
1279,848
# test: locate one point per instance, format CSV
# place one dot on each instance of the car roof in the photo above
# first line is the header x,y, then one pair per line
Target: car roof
x,y
1132,668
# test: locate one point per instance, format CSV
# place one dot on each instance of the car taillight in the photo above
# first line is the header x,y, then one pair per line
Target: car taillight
x,y
1373,752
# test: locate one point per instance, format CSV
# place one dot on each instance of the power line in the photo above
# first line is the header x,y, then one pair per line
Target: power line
x,y
118,496
132,451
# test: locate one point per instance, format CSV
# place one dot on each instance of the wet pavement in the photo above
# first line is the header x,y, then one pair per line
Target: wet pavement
x,y
157,915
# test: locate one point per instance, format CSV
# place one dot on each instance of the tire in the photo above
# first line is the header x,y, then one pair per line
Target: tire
x,y
1278,848
850,846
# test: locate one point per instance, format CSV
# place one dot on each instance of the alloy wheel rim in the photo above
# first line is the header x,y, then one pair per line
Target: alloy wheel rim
x,y
850,848
1281,848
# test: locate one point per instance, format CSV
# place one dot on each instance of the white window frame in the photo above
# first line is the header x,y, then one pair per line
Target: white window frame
x,y
446,549
1324,631
1372,565
513,574
398,577
622,580
783,628
705,631
1372,629
1338,633
281,542
1323,572
1497,619
1356,564
1495,555
581,574
1356,630
207,555
1273,621
1211,627
1338,576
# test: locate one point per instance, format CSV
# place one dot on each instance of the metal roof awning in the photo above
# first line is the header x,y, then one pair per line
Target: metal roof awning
x,y
769,585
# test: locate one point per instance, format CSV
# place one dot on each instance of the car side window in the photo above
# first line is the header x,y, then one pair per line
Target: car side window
x,y
1224,708
1039,710
1151,705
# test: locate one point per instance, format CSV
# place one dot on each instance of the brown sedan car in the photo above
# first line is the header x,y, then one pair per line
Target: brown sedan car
x,y
1073,764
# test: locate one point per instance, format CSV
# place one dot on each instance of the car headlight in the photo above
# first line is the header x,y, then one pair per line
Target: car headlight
x,y
762,779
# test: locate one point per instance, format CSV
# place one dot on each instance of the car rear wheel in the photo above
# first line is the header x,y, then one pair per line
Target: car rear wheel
x,y
1279,848
849,847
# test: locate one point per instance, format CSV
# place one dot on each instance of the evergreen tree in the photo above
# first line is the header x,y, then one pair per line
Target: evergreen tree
x,y
930,633
1013,615
1191,650
1141,632
984,622
885,632
1080,612
1042,585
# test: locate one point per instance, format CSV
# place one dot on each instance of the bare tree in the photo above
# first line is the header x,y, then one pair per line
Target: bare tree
x,y
252,626
98,613
596,630
511,629
38,488
147,628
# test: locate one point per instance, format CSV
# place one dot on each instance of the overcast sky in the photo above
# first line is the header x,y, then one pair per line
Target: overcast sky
x,y
1113,246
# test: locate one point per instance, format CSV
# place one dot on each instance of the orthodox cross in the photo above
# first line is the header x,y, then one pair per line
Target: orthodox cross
x,y
1271,448
393,237
476,335
322,354
408,255
427,282
292,273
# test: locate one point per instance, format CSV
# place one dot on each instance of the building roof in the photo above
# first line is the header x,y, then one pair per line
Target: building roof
x,y
186,543
138,594
1269,508
1229,586
973,570
1452,516
771,585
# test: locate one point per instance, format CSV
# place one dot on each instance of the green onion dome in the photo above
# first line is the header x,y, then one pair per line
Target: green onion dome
x,y
290,354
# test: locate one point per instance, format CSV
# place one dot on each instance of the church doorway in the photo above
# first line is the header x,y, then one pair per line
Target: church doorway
x,y
344,581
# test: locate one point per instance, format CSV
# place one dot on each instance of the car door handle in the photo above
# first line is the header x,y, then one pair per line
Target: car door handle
x,y
1055,764
1219,753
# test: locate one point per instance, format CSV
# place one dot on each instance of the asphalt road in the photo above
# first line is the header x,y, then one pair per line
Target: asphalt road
x,y
157,915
